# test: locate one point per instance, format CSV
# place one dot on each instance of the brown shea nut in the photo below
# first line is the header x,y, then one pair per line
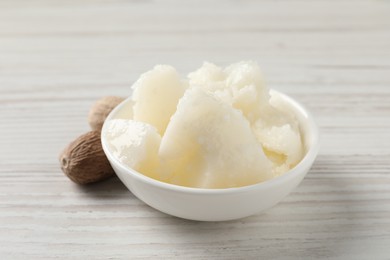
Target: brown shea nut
x,y
100,110
84,161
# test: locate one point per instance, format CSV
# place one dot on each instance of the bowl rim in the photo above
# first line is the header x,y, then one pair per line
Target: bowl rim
x,y
306,161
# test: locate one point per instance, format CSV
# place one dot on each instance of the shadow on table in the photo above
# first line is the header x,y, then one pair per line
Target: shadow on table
x,y
112,188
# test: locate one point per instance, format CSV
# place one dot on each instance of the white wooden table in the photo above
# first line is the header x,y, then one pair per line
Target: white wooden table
x,y
57,57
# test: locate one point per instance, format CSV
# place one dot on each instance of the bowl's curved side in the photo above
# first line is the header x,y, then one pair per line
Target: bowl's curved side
x,y
206,207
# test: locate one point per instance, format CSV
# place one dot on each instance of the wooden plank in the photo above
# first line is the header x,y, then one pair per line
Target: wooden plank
x,y
56,58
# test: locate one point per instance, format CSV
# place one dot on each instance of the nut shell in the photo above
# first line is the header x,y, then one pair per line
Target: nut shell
x,y
100,110
84,161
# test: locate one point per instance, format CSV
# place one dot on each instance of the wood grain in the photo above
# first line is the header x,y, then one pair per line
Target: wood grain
x,y
57,57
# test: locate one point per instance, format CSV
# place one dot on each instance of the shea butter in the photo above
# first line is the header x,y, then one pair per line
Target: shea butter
x,y
216,128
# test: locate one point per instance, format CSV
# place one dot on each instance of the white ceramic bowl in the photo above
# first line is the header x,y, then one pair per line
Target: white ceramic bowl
x,y
219,204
